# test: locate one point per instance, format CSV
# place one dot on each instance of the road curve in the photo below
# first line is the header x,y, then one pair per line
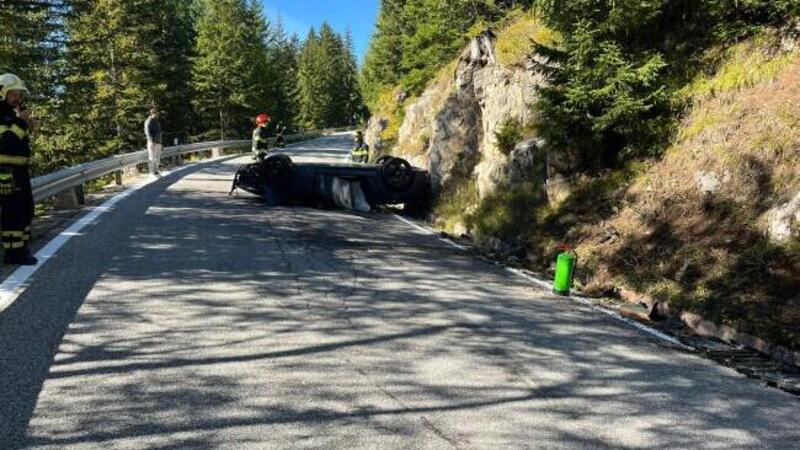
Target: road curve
x,y
185,318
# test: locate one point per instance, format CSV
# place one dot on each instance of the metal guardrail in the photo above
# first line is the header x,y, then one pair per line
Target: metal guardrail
x,y
55,183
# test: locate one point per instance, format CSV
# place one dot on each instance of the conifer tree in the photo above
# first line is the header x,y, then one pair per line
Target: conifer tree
x,y
382,62
231,59
112,71
32,47
174,50
282,62
354,99
327,80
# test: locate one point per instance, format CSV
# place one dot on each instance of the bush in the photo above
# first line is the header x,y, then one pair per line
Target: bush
x,y
508,213
508,135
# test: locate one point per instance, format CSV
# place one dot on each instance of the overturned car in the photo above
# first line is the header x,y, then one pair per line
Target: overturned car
x,y
281,181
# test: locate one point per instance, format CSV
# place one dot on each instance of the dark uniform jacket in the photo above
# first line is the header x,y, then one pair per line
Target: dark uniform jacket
x,y
15,158
15,147
360,153
260,141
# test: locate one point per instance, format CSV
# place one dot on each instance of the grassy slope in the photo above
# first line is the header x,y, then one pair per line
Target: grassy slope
x,y
707,252
650,228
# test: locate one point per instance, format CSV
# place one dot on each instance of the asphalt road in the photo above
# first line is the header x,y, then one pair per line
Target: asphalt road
x,y
185,318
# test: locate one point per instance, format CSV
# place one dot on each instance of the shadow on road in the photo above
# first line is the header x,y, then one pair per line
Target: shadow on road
x,y
215,314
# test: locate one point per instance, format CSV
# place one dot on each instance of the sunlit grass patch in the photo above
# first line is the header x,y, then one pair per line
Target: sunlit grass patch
x,y
515,43
745,65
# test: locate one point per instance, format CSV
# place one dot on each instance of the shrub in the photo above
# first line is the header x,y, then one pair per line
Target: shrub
x,y
508,135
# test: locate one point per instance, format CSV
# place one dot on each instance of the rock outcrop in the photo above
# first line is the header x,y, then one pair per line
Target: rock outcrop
x,y
450,129
784,221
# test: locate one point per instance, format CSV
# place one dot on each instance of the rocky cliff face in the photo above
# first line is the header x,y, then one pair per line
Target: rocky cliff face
x,y
450,129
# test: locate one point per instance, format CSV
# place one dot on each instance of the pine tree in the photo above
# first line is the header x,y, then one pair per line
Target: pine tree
x,y
231,58
327,80
114,68
354,100
174,50
312,95
382,67
332,64
613,71
31,46
283,54
414,38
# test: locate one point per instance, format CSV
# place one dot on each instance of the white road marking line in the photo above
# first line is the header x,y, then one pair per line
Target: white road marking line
x,y
430,232
547,286
541,283
13,286
606,311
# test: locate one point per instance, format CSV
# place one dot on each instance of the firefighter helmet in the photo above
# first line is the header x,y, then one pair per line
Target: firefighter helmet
x,y
262,119
10,82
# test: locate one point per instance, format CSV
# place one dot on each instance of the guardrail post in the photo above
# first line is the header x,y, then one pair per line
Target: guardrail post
x,y
216,152
118,178
80,194
132,171
70,199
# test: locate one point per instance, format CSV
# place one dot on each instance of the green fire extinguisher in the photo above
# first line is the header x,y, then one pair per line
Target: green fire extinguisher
x,y
565,270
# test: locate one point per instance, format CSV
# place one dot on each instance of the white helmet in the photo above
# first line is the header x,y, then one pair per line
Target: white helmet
x,y
11,82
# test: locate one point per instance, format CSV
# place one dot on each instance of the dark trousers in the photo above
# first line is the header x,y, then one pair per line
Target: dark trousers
x,y
17,214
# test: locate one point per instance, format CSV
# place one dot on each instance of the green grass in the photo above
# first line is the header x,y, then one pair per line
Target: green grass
x,y
454,203
509,213
515,42
508,135
744,65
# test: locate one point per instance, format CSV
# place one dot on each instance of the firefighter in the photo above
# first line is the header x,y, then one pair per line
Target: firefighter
x,y
260,143
16,195
360,154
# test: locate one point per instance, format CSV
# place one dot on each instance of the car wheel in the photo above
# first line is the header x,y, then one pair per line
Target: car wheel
x,y
383,159
397,174
278,171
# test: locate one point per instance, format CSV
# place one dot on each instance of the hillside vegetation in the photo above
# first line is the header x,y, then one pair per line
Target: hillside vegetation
x,y
671,129
693,227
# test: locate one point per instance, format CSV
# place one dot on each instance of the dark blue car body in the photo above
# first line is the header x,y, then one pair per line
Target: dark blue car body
x,y
279,181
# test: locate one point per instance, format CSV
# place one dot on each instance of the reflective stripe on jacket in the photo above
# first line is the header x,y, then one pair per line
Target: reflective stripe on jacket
x,y
360,153
260,140
15,147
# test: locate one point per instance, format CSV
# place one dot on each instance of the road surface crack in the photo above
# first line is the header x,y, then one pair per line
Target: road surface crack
x,y
428,423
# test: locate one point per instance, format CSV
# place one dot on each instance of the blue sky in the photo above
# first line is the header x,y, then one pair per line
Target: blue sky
x,y
300,15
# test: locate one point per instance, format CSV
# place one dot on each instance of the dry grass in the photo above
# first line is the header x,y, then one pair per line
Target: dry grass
x,y
389,108
708,251
455,204
515,42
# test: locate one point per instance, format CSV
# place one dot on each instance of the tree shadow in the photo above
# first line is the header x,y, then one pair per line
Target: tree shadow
x,y
205,321
705,254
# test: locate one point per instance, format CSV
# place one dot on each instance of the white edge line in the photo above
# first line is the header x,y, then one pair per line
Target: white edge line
x,y
606,311
13,286
545,285
430,232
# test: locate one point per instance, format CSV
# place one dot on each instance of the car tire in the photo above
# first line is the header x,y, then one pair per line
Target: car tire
x,y
383,159
397,174
278,171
